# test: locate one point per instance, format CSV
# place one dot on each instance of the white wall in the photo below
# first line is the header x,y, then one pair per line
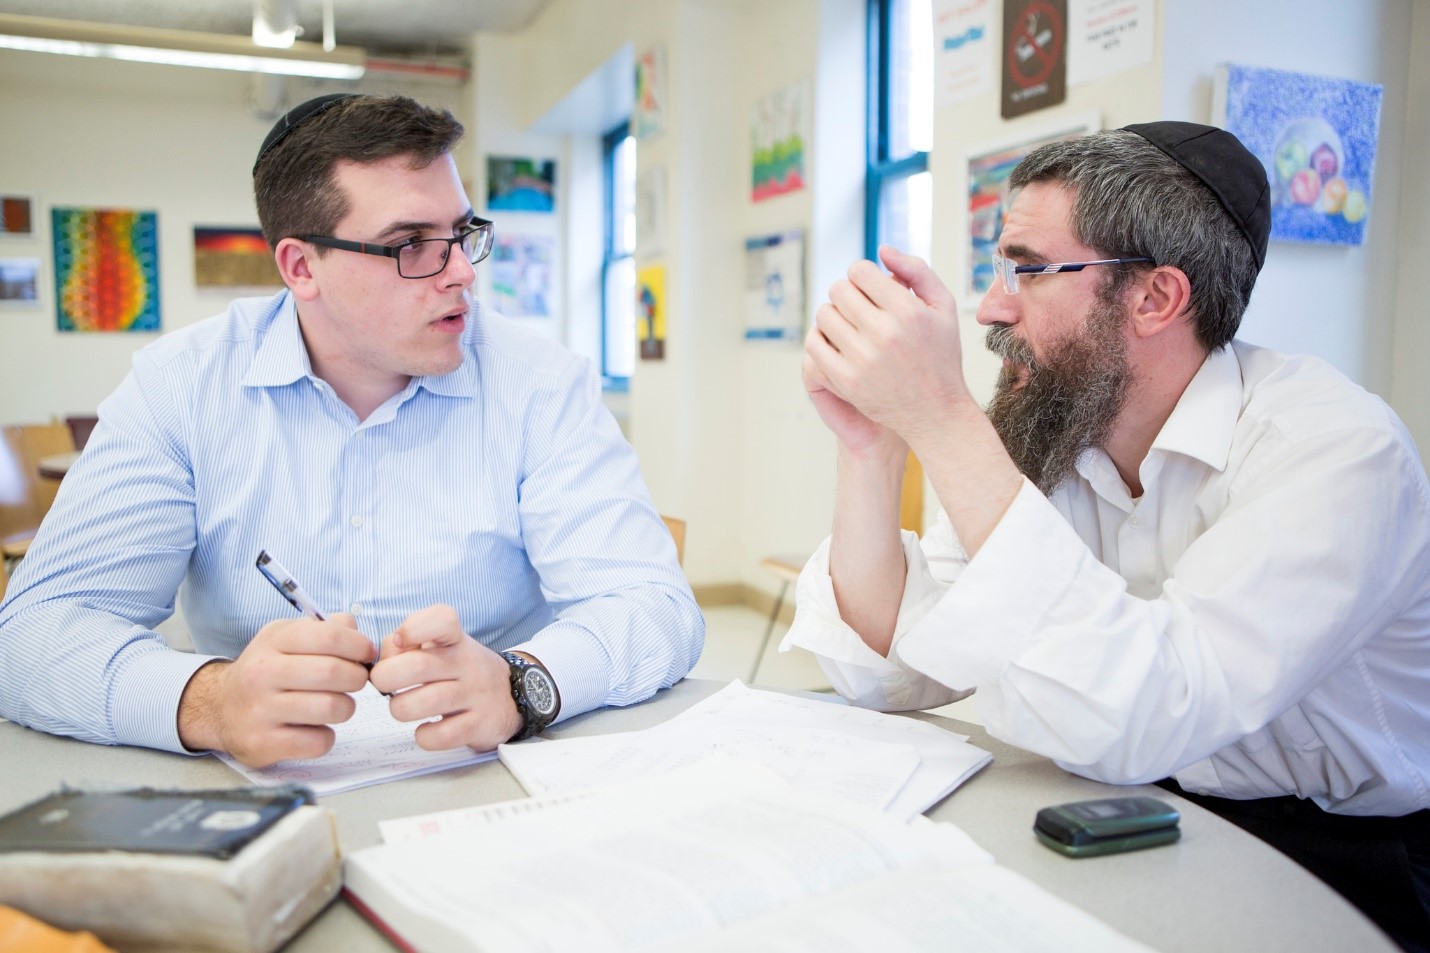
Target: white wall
x,y
1410,387
725,434
127,135
727,438
1334,301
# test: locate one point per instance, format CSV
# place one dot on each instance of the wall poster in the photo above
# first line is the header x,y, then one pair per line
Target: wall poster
x,y
106,269
521,275
774,287
988,170
1316,135
229,258
650,312
1034,55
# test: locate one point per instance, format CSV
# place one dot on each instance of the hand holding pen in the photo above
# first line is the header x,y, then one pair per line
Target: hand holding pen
x,y
279,699
289,588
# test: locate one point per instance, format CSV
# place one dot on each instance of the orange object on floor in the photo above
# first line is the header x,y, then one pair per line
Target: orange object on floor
x,y
22,933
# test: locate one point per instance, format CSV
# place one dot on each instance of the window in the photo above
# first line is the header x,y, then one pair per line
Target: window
x,y
899,191
618,268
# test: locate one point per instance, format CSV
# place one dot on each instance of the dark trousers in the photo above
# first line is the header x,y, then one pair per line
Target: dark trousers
x,y
1380,864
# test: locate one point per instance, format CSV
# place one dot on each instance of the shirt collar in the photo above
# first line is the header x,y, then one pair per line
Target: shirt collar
x,y
1203,422
282,356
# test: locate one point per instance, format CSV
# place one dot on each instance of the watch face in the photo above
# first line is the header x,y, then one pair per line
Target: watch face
x,y
540,693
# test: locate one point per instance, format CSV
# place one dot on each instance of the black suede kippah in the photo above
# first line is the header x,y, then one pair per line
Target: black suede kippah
x,y
1225,166
294,118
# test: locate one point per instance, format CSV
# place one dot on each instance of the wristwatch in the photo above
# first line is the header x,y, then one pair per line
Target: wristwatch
x,y
533,689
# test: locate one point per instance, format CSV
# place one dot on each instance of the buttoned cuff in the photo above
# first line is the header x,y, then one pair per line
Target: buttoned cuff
x,y
144,696
578,665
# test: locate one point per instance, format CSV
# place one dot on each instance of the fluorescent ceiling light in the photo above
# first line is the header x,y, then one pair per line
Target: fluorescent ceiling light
x,y
177,47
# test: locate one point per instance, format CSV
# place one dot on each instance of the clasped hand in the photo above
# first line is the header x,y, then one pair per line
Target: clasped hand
x,y
278,700
883,362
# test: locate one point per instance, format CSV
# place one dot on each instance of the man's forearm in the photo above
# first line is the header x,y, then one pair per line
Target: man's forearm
x,y
866,553
199,722
971,472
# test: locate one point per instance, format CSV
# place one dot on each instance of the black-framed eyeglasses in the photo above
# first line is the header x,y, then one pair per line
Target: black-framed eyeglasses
x,y
1009,272
420,257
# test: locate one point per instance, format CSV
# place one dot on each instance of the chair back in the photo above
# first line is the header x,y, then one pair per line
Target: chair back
x,y
25,498
677,532
81,425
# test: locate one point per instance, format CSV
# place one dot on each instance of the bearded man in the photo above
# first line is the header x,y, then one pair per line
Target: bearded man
x,y
1163,554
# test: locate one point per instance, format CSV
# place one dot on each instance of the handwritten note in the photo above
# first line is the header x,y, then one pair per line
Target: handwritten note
x,y
372,747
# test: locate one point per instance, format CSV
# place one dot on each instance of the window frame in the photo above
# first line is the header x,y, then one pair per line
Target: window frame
x,y
611,140
881,167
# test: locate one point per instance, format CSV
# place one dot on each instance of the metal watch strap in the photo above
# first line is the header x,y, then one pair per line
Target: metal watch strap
x,y
532,721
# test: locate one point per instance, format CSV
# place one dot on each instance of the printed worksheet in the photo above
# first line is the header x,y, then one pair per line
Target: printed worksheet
x,y
898,765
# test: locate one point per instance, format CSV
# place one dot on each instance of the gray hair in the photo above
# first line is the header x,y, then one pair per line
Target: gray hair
x,y
1132,200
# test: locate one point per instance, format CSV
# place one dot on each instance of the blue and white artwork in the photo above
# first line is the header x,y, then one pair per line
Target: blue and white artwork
x,y
774,287
1316,135
520,185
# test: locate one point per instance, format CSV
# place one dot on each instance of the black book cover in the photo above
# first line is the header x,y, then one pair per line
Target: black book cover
x,y
214,823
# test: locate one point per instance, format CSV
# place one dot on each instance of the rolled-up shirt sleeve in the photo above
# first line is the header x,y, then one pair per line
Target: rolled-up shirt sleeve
x,y
856,671
1319,550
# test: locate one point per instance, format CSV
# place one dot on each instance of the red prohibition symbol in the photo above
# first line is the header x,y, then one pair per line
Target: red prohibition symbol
x,y
1033,48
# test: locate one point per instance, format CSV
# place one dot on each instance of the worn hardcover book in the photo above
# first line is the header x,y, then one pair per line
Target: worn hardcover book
x,y
238,870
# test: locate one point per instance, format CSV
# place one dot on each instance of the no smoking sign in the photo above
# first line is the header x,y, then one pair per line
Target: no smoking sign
x,y
1034,55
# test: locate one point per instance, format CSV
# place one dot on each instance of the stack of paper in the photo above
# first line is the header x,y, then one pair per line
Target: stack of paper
x,y
722,855
897,765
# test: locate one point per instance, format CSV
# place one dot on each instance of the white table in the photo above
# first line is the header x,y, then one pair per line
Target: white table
x,y
1217,889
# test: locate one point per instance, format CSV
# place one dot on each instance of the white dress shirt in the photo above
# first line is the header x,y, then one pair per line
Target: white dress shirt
x,y
1256,624
503,489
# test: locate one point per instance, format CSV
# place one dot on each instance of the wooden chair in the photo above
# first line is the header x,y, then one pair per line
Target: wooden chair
x,y
25,497
787,568
677,532
81,426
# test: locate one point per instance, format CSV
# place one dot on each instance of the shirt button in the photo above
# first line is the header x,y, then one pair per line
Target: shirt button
x,y
1134,522
357,520
355,608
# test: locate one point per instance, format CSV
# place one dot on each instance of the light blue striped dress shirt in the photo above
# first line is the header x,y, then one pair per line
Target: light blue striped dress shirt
x,y
504,489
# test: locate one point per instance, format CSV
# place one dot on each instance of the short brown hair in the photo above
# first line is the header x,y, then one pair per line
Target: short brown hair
x,y
293,183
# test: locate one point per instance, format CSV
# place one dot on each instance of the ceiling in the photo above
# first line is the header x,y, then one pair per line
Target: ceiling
x,y
410,27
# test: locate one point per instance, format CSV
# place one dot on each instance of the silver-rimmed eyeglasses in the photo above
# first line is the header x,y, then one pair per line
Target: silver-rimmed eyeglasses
x,y
1009,272
420,257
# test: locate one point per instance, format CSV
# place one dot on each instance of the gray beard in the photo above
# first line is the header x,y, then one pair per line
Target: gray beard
x,y
1068,403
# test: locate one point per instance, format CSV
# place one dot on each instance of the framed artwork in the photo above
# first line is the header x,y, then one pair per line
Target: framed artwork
x,y
521,185
774,287
648,112
106,269
779,129
650,212
521,275
650,312
229,258
17,215
1316,135
988,169
19,283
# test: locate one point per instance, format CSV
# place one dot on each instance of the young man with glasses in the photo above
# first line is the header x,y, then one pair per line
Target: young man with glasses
x,y
1163,553
448,478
